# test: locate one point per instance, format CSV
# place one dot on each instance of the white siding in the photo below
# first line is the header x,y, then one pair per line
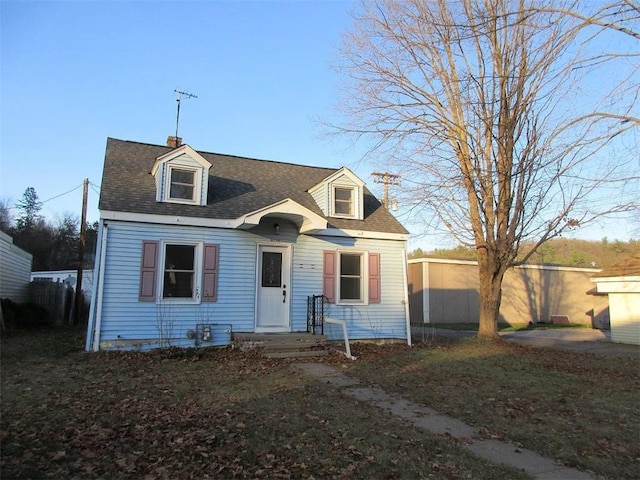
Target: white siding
x,y
125,319
624,309
15,270
321,196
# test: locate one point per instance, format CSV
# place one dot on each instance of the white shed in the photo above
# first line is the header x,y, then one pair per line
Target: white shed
x,y
622,283
15,270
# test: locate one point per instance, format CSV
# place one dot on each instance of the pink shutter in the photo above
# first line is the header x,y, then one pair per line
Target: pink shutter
x,y
329,278
374,278
148,271
210,273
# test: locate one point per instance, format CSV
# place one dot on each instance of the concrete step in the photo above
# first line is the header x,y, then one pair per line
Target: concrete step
x,y
297,354
281,343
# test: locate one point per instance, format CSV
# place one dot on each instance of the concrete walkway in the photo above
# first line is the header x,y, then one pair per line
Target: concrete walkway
x,y
430,420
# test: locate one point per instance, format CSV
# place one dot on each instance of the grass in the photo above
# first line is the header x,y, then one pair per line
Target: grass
x,y
211,413
581,409
221,413
502,327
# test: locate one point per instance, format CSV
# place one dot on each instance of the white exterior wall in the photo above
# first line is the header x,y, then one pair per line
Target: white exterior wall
x,y
15,270
624,309
122,318
62,275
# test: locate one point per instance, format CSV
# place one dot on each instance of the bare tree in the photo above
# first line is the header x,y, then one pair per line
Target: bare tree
x,y
491,112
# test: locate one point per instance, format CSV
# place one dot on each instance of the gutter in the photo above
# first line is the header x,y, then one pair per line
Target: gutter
x,y
406,295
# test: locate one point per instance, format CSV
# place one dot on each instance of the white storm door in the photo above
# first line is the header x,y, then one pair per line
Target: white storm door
x,y
272,288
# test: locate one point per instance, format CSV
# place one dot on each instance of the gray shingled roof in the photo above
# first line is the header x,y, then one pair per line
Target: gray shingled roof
x,y
237,186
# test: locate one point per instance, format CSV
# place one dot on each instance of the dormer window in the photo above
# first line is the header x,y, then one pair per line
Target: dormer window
x,y
340,195
343,201
182,184
181,177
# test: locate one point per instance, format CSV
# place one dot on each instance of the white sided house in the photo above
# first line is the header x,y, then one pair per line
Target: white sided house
x,y
15,270
621,282
194,247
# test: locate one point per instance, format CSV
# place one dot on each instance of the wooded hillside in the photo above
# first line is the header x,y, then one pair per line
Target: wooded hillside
x,y
559,251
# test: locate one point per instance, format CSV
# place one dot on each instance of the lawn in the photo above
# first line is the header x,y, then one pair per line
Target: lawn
x,y
581,409
221,413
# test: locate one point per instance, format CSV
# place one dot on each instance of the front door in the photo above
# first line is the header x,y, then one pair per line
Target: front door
x,y
273,288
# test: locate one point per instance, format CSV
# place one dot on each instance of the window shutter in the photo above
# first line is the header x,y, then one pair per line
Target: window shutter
x,y
374,278
148,271
329,277
210,273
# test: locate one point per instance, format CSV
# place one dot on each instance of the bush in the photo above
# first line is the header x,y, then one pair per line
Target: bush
x,y
24,315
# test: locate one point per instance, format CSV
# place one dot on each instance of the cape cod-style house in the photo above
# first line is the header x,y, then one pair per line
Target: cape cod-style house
x,y
195,247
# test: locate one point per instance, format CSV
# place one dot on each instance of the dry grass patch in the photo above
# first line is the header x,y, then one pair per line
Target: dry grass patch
x,y
582,409
213,413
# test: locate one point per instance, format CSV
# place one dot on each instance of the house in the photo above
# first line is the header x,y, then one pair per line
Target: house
x,y
69,277
447,291
15,270
621,282
194,247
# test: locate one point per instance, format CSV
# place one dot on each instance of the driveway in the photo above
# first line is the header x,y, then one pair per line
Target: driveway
x,y
574,339
579,340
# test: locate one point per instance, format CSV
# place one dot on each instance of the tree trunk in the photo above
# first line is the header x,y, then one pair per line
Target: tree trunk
x,y
491,274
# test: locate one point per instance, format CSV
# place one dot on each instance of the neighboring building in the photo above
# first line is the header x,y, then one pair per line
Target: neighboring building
x,y
15,270
621,283
447,291
69,277
192,241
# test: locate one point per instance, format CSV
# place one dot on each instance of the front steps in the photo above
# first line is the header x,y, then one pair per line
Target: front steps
x,y
283,345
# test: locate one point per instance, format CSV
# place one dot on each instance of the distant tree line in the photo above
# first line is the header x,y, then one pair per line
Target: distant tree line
x,y
559,251
53,244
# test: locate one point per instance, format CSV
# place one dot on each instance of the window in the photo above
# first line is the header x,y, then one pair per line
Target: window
x,y
182,184
343,201
351,270
351,277
179,271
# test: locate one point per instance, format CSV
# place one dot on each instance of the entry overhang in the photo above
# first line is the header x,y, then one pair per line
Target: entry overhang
x,y
306,220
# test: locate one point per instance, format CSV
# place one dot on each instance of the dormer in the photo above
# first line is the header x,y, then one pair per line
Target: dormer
x,y
340,195
182,176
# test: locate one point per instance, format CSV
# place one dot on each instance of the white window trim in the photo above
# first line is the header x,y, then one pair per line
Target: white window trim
x,y
197,281
364,287
356,194
197,188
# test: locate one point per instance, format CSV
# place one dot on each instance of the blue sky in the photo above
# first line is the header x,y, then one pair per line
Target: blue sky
x,y
75,73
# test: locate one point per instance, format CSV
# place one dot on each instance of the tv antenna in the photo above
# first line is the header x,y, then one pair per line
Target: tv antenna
x,y
180,95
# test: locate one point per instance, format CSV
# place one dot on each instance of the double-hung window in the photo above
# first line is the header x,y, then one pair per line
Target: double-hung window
x,y
343,201
182,184
179,272
351,284
351,277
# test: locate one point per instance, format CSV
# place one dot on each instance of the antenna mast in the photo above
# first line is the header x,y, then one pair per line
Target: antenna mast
x,y
180,95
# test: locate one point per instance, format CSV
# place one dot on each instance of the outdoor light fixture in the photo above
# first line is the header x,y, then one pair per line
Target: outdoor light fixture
x,y
276,227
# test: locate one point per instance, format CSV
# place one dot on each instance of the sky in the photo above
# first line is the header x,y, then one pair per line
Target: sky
x,y
74,73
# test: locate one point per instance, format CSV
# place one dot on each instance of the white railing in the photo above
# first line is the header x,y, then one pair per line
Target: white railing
x,y
345,334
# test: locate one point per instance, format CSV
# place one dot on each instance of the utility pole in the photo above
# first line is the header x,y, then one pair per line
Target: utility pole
x,y
386,179
180,94
83,230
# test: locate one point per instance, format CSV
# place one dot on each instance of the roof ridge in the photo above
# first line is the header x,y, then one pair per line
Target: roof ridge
x,y
335,169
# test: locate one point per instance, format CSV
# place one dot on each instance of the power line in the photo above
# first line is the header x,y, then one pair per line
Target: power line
x,y
62,194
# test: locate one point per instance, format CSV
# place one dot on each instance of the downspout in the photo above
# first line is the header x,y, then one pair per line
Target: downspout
x,y
100,289
424,268
406,294
94,290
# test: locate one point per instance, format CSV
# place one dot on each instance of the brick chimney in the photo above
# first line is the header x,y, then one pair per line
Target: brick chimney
x,y
174,142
